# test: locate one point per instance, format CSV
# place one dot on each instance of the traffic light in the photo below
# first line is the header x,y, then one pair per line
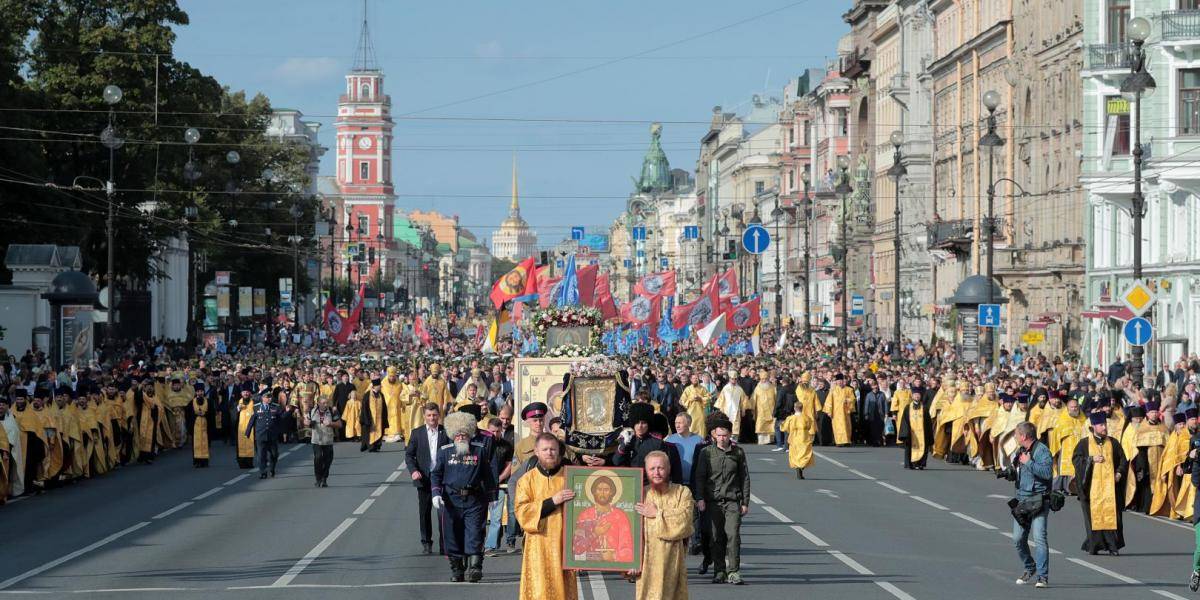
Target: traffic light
x,y
371,255
362,253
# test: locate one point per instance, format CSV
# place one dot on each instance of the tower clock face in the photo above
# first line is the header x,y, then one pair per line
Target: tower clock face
x,y
364,143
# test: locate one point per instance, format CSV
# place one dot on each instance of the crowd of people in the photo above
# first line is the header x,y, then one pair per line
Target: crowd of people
x,y
1115,445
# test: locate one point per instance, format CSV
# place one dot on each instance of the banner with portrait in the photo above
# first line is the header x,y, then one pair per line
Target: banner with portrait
x,y
602,531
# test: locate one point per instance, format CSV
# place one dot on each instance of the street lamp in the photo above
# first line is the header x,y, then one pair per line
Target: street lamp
x,y
804,177
296,213
991,140
843,189
191,172
777,215
896,171
1139,84
110,139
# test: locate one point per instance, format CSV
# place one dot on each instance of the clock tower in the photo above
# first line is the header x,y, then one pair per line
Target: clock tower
x,y
364,159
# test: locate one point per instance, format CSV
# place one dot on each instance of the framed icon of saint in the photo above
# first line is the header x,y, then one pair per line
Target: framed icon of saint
x,y
602,531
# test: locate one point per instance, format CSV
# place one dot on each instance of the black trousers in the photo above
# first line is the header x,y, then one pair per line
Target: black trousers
x,y
425,512
267,454
322,460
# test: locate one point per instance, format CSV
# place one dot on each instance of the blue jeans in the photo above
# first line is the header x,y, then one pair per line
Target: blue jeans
x,y
492,540
1039,561
780,437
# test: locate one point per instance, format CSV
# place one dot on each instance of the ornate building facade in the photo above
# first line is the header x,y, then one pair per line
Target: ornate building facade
x,y
514,240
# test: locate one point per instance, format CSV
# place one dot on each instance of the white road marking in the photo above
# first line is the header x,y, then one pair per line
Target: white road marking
x,y
596,582
393,476
838,463
929,502
810,536
42,568
850,562
778,515
767,459
173,510
362,508
236,479
1164,521
829,493
354,586
998,496
971,519
755,499
18,499
861,474
892,487
379,491
893,590
312,555
208,493
1099,569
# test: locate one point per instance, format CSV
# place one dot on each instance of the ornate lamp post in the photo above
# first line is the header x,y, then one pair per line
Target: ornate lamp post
x,y
108,137
191,172
991,141
804,177
896,171
777,215
843,190
1139,84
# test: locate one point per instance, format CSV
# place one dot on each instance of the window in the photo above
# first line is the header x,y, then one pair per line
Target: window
x,y
844,122
1116,110
365,91
364,225
759,186
1189,101
364,170
1117,17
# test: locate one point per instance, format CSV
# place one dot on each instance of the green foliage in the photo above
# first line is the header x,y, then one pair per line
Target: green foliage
x,y
56,57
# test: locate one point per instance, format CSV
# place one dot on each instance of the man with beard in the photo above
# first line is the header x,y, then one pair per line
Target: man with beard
x,y
916,431
463,486
695,400
1100,465
1063,438
840,406
341,395
434,389
763,400
1174,492
539,497
203,424
732,401
244,410
1144,443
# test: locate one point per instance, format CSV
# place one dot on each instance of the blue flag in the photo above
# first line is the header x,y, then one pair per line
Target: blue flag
x,y
568,288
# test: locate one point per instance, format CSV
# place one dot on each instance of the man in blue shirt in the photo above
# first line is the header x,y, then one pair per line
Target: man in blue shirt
x,y
1034,473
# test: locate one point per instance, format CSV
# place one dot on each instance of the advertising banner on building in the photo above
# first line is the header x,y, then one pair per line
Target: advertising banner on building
x,y
245,301
260,301
210,313
76,341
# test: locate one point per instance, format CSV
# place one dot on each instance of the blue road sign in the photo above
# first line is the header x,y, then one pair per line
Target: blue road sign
x,y
577,233
628,263
756,238
664,262
639,233
1138,331
857,305
691,232
989,315
558,263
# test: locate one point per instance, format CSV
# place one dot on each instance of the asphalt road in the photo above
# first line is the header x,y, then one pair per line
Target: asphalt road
x,y
859,527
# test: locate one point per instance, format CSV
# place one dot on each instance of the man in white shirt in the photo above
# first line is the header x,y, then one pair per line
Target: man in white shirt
x,y
731,402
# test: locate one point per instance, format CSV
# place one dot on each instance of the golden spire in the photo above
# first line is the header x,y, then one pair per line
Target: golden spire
x,y
514,209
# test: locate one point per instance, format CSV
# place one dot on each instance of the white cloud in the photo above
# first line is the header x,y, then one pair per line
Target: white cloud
x,y
303,70
489,49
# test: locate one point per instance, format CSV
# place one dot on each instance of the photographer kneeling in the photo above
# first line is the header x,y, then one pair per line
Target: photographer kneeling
x,y
1032,472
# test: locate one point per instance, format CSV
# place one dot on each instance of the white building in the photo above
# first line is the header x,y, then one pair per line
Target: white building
x,y
514,240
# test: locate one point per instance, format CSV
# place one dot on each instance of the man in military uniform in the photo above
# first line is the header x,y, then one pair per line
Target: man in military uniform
x,y
463,486
267,425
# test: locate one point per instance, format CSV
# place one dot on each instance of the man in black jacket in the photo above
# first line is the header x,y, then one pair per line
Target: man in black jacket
x,y
267,425
420,455
635,444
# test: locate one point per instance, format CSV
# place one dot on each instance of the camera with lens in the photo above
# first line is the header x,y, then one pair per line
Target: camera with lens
x,y
1008,473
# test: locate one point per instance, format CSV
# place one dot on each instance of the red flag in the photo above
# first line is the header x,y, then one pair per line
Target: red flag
x,y
603,298
515,283
698,313
547,289
341,328
745,315
587,284
656,284
642,311
726,282
420,332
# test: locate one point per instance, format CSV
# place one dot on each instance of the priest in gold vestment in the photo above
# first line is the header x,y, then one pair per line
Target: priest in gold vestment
x,y
695,400
1100,466
541,493
666,511
839,405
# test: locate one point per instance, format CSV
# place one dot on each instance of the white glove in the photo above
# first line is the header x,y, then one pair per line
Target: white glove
x,y
438,502
626,437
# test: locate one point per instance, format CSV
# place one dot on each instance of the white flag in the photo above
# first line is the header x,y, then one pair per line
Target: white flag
x,y
781,343
712,331
756,339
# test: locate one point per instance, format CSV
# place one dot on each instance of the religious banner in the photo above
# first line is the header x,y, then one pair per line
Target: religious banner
x,y
222,302
210,314
601,529
245,301
76,341
539,380
260,301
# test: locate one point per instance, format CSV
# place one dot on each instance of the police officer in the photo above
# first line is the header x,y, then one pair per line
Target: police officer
x,y
463,486
267,425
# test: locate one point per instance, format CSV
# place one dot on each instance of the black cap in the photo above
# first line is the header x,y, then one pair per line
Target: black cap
x,y
641,411
534,410
472,409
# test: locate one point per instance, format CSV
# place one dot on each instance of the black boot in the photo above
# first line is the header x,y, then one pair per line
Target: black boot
x,y
456,568
474,568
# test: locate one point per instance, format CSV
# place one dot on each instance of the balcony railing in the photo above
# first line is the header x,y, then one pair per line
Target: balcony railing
x,y
958,232
1109,56
1182,24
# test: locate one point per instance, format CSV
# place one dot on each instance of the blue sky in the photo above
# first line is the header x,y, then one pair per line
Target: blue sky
x,y
436,54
